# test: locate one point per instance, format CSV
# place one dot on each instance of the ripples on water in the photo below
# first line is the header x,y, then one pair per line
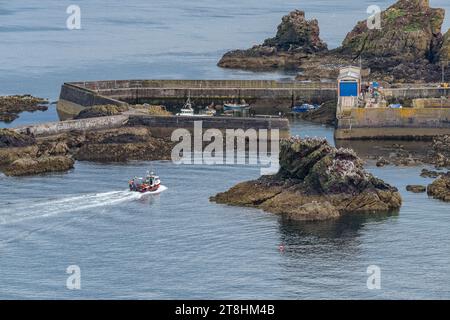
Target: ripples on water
x,y
177,244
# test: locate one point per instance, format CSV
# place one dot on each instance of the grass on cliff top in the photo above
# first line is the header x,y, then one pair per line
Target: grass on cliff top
x,y
393,14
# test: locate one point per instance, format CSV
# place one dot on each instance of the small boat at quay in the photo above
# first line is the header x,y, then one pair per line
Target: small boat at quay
x,y
149,183
235,106
304,108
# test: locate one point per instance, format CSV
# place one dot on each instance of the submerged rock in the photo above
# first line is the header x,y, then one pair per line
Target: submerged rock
x,y
416,188
425,173
315,182
440,188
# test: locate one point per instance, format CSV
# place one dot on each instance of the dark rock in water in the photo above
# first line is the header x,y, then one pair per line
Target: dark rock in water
x,y
381,162
440,188
429,174
29,166
315,182
416,188
10,139
296,38
101,111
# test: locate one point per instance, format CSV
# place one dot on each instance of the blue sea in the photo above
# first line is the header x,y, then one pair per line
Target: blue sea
x,y
178,245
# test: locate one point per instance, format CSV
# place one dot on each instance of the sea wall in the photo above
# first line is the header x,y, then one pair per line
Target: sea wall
x,y
381,123
164,126
265,96
160,126
53,128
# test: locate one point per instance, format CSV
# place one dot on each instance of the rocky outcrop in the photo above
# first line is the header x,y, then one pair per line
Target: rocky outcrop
x,y
315,182
410,30
123,144
24,155
444,53
440,151
101,111
440,188
30,166
408,47
12,106
296,38
21,154
11,139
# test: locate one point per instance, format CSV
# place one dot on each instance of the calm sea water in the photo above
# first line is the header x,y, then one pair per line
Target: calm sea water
x,y
178,244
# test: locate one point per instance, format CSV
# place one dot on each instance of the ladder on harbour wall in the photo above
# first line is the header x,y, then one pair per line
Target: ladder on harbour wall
x,y
344,111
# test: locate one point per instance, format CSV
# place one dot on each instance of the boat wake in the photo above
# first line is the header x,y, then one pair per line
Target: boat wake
x,y
25,210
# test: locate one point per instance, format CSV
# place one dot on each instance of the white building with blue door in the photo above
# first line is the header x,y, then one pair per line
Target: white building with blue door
x,y
349,87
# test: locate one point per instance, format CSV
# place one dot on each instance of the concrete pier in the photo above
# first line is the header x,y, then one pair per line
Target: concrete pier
x,y
387,123
264,96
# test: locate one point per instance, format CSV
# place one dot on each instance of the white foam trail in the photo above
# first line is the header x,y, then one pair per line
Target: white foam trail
x,y
32,210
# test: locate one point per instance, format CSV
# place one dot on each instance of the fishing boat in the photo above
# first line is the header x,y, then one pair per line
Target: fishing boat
x,y
149,183
187,110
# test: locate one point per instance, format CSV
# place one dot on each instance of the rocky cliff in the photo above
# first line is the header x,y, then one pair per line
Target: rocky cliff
x,y
444,53
316,182
410,30
408,47
296,38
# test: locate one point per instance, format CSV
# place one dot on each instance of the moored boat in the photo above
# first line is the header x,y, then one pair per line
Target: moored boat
x,y
235,106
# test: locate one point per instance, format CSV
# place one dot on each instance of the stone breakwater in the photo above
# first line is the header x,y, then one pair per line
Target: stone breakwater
x,y
54,146
316,182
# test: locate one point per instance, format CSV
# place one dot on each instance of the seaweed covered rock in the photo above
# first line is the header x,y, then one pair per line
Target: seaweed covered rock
x,y
123,144
30,166
296,38
101,111
12,106
440,188
10,139
315,182
440,151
